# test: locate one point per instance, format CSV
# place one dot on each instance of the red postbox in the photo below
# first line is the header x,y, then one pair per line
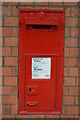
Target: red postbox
x,y
41,48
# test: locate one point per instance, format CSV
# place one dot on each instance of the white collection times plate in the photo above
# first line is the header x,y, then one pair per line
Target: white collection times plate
x,y
41,67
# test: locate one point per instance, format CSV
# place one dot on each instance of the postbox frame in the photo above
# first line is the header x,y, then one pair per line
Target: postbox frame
x,y
21,76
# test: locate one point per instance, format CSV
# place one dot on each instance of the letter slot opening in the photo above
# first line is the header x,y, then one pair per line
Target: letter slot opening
x,y
40,27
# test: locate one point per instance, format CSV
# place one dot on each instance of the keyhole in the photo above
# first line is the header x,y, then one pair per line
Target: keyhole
x,y
29,89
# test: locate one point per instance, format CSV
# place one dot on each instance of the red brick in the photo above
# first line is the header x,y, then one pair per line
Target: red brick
x,y
70,110
0,81
65,110
56,3
79,9
66,3
0,61
71,42
69,81
73,91
73,52
14,109
68,100
1,21
69,21
78,82
78,52
14,71
10,80
14,11
79,22
1,41
11,41
0,10
0,70
65,71
42,3
41,117
74,32
66,52
0,101
26,3
74,11
67,12
9,100
6,110
11,21
14,90
0,90
15,51
73,71
11,61
70,62
79,42
6,51
77,100
78,61
53,8
15,32
6,71
65,90
28,7
8,117
77,116
1,32
0,3
6,31
12,3
6,10
22,116
6,90
1,110
78,32
79,72
67,32
0,51
67,116
52,117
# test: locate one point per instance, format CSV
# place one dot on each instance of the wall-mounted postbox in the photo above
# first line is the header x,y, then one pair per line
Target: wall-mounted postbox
x,y
41,46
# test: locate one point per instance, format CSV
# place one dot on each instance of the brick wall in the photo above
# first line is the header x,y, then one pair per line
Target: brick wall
x,y
71,99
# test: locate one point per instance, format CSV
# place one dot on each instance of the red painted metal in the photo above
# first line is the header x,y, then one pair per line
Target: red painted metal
x,y
41,34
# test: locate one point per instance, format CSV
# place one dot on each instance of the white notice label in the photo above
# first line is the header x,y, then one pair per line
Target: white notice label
x,y
41,68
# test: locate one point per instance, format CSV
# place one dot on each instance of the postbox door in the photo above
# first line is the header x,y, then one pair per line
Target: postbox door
x,y
41,43
40,83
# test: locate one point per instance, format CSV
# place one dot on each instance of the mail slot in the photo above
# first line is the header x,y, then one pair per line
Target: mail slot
x,y
41,52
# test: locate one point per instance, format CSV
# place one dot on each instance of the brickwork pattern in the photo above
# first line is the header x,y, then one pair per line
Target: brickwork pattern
x,y
10,59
